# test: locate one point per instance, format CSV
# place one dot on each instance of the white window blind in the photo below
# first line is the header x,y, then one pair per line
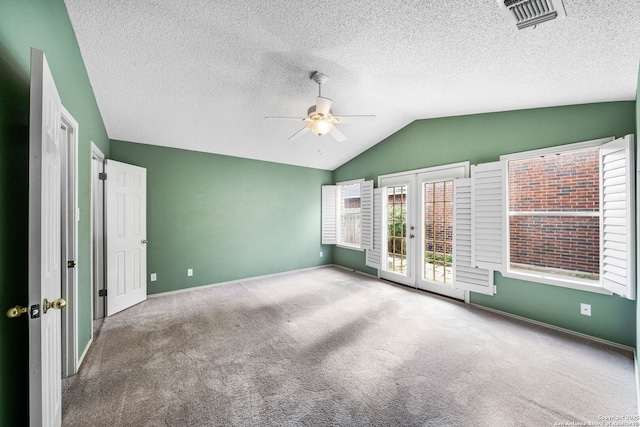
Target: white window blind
x,y
366,212
329,215
487,219
465,275
617,227
374,255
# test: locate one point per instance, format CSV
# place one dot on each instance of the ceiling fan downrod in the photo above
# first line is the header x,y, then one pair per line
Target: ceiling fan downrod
x,y
320,79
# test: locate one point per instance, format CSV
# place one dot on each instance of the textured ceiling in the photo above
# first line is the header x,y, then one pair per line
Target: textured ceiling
x,y
202,74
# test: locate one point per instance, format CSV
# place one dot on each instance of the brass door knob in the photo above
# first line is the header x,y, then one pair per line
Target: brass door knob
x,y
16,311
56,304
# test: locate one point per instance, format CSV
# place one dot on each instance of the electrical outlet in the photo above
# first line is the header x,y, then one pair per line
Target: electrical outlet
x,y
154,277
585,309
190,272
321,254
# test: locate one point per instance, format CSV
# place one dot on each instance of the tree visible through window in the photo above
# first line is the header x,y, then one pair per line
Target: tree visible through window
x,y
397,229
554,214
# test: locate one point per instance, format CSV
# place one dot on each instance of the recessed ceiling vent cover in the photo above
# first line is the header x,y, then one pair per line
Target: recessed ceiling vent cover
x,y
527,13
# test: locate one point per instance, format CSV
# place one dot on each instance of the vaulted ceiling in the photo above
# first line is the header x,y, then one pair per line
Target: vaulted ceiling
x,y
202,75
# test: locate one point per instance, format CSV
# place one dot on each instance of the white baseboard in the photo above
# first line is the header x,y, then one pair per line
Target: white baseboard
x,y
213,285
353,271
557,328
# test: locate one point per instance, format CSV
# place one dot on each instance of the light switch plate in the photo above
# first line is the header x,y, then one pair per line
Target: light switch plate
x,y
154,277
190,272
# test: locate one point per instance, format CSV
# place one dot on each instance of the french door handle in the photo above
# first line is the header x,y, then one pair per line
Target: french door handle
x,y
17,311
57,303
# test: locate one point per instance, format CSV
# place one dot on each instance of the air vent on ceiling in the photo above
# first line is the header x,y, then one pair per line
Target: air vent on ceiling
x,y
527,13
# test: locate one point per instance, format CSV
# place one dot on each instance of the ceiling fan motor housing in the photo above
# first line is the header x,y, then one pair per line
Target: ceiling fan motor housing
x,y
313,115
319,77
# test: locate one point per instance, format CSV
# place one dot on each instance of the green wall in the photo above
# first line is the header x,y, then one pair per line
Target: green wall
x,y
225,217
483,138
45,25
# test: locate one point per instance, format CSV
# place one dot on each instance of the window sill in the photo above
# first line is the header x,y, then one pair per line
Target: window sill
x,y
556,281
354,248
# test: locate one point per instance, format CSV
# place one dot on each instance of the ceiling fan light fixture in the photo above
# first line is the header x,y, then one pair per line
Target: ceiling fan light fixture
x,y
320,120
320,127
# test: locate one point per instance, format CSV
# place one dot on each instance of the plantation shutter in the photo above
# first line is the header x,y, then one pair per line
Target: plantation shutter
x,y
486,221
465,275
329,215
617,227
374,255
366,213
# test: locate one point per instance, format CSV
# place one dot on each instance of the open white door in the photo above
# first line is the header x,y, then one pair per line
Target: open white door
x,y
126,187
45,408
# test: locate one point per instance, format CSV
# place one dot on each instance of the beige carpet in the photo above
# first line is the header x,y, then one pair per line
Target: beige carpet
x,y
328,347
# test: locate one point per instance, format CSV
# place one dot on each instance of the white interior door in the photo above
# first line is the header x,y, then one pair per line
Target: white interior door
x,y
417,228
126,187
45,374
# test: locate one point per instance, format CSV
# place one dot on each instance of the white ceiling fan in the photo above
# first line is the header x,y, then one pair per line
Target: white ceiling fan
x,y
320,120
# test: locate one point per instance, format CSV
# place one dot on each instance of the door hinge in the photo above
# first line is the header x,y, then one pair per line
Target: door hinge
x,y
102,176
71,264
102,293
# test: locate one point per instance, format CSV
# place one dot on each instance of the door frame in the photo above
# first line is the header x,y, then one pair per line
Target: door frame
x,y
414,180
69,241
98,241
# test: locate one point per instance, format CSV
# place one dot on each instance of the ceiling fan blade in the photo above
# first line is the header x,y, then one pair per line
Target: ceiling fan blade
x,y
299,133
285,118
351,119
323,105
337,135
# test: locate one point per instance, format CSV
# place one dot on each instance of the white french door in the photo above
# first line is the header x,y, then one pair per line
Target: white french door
x,y
398,229
417,228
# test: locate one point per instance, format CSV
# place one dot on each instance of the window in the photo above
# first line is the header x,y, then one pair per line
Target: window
x,y
347,214
350,215
569,216
554,215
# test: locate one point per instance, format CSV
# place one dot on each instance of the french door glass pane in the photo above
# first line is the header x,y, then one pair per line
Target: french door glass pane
x,y
438,231
397,229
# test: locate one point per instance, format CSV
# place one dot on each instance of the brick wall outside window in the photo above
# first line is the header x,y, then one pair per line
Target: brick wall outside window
x,y
438,210
567,182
